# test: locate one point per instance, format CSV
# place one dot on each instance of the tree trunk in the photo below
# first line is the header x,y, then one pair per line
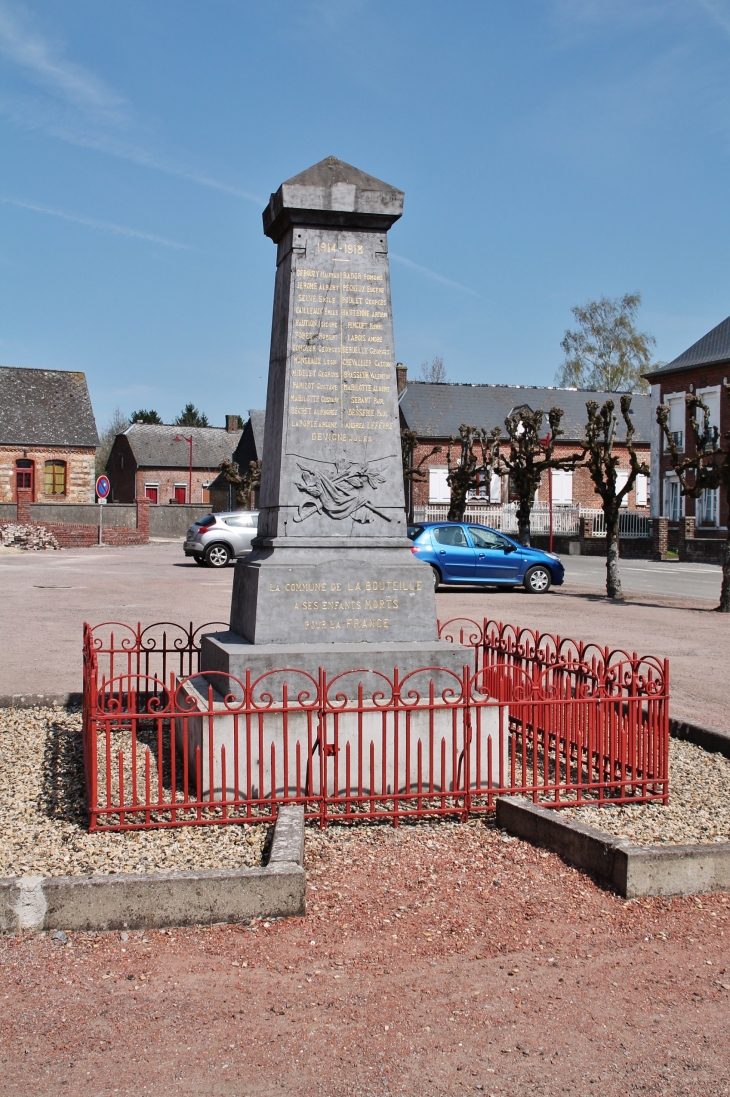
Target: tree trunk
x,y
523,523
613,575
457,506
724,606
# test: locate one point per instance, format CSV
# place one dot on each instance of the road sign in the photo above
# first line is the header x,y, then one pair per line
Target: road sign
x,y
103,487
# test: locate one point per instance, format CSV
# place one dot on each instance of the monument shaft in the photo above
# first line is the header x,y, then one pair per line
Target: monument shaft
x,y
332,562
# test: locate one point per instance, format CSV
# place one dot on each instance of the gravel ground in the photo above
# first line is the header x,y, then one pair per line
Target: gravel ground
x,y
43,818
434,961
698,808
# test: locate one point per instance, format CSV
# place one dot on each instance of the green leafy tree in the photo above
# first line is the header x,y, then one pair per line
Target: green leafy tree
x,y
470,459
530,455
708,469
191,417
603,463
606,352
143,416
116,425
413,473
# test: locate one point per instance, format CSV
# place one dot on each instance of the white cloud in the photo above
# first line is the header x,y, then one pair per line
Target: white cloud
x,y
78,107
92,223
432,274
45,62
718,12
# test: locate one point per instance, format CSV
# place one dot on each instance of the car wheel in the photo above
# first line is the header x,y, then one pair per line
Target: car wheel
x,y
217,556
538,580
436,577
199,560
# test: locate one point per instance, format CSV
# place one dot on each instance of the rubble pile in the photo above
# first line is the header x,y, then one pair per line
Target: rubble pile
x,y
31,538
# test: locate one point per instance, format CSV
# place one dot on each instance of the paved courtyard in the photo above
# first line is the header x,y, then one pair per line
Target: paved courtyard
x,y
45,598
432,961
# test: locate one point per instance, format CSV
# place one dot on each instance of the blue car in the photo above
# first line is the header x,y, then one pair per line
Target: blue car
x,y
460,552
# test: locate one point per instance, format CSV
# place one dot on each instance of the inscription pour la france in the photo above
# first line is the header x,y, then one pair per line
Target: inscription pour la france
x,y
338,384
358,596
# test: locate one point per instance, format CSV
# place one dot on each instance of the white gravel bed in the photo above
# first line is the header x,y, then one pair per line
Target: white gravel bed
x,y
43,817
698,810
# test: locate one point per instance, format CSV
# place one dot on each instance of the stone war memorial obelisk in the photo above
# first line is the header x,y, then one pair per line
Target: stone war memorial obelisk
x,y
332,581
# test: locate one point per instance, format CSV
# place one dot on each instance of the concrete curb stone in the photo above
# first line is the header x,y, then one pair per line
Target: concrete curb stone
x,y
155,900
40,700
709,738
630,870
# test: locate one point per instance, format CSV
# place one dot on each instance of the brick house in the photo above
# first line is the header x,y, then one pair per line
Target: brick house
x,y
152,461
701,369
48,437
436,411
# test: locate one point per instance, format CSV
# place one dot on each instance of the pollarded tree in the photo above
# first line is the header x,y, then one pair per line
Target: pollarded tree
x,y
708,469
413,473
245,484
477,451
529,457
602,463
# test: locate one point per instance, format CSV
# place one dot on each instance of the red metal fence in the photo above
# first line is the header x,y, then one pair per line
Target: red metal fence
x,y
530,714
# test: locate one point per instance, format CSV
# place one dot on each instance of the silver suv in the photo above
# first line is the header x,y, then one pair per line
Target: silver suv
x,y
218,538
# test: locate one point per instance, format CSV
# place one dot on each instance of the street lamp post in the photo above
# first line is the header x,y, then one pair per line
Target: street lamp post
x,y
180,438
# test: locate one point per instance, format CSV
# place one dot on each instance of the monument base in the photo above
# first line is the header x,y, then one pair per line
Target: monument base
x,y
225,655
333,592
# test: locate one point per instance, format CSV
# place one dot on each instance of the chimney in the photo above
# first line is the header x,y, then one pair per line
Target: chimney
x,y
401,374
232,423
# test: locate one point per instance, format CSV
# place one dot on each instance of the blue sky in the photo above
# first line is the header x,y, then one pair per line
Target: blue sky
x,y
550,151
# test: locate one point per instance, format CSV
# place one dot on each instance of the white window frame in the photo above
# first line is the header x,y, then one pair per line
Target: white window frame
x,y
562,485
641,490
675,399
622,476
670,480
438,490
711,496
713,403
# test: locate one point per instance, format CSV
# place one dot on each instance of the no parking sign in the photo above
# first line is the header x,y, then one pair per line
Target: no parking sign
x,y
103,487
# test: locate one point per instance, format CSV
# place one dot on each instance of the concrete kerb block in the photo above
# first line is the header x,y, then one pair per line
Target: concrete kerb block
x,y
156,900
40,700
630,870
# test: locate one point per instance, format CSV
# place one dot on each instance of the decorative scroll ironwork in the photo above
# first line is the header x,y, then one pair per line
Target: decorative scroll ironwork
x,y
544,716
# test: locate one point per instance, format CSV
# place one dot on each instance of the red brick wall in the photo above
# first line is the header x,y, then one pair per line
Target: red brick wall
x,y
167,478
701,377
583,490
80,477
71,535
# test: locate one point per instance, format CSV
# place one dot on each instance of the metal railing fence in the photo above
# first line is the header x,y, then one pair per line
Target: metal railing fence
x,y
530,714
566,519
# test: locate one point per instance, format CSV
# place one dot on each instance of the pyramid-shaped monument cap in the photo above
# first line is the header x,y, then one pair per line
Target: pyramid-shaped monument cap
x,y
334,194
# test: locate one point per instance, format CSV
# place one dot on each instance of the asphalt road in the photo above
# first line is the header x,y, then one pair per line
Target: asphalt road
x,y
672,580
45,597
